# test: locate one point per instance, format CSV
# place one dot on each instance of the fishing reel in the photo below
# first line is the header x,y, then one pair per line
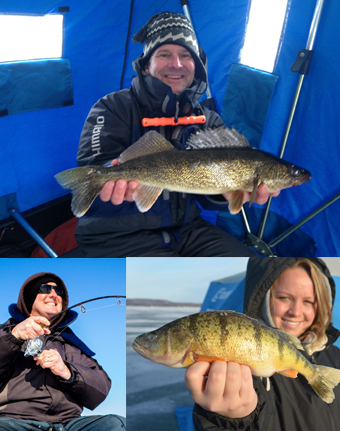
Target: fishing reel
x,y
34,347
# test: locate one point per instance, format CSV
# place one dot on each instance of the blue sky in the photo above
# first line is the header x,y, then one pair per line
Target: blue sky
x,y
178,279
102,329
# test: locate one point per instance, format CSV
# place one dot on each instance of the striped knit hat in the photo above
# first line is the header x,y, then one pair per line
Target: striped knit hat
x,y
170,28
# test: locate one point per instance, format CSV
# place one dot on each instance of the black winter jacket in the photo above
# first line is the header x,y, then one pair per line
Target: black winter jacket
x,y
113,124
30,392
284,404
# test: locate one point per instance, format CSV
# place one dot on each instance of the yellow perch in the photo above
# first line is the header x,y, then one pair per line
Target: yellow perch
x,y
231,336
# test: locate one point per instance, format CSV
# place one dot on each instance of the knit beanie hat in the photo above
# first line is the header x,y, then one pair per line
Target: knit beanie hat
x,y
170,28
32,290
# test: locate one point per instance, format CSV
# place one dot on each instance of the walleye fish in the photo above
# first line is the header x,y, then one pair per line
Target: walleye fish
x,y
216,161
231,336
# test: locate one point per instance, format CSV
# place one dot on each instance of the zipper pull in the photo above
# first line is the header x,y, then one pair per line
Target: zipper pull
x,y
177,112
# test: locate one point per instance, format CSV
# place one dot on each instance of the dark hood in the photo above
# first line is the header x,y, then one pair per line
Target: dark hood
x,y
19,312
21,306
262,273
158,99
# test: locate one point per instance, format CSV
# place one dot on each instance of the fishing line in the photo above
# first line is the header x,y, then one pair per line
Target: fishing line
x,y
98,308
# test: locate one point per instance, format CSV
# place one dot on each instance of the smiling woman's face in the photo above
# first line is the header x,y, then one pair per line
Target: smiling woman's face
x,y
293,303
47,304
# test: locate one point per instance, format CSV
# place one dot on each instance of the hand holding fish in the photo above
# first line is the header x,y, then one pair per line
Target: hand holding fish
x,y
228,389
30,328
262,195
118,191
51,359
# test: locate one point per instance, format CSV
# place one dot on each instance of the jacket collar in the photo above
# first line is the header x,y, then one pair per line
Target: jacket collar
x,y
15,313
158,99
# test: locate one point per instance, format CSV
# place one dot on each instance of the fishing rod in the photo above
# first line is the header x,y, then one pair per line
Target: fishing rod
x,y
35,346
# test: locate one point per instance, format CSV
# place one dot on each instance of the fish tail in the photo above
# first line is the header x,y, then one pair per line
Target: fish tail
x,y
324,382
85,184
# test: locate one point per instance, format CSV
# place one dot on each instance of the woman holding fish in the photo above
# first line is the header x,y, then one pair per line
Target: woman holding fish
x,y
295,295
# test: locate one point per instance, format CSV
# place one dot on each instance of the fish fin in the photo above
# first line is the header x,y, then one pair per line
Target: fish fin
x,y
324,382
189,360
291,339
256,183
145,196
198,358
85,183
217,138
288,373
150,143
236,201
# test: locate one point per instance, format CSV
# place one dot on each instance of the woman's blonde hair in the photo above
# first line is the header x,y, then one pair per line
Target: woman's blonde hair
x,y
323,297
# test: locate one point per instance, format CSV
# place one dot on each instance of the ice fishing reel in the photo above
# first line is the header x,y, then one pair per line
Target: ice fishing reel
x,y
34,347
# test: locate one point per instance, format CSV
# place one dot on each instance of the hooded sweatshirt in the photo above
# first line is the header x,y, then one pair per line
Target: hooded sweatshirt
x,y
284,404
115,123
30,392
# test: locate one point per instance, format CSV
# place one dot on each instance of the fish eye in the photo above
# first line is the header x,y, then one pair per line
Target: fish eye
x,y
152,337
295,171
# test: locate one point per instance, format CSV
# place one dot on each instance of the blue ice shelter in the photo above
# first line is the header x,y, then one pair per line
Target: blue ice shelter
x,y
44,103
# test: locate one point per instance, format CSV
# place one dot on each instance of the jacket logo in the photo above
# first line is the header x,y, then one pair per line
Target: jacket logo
x,y
95,141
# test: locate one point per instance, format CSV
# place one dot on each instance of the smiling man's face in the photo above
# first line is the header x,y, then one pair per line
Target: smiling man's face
x,y
173,65
47,304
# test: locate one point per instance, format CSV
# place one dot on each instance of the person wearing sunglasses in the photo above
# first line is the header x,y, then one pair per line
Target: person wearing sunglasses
x,y
48,391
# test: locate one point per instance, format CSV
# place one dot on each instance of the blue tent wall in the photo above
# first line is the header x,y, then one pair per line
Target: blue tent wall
x,y
314,141
37,145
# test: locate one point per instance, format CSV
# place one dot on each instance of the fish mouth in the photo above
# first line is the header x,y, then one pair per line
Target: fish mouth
x,y
146,354
138,348
165,359
303,177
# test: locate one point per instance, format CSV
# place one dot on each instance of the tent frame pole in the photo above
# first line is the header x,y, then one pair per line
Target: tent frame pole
x,y
34,234
256,241
209,102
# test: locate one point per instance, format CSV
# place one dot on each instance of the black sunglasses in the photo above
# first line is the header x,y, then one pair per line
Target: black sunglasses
x,y
47,288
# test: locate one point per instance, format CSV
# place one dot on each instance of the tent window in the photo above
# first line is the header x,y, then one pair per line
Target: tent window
x,y
264,30
31,37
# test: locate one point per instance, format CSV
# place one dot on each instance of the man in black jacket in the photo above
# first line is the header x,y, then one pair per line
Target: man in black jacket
x,y
47,391
171,78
